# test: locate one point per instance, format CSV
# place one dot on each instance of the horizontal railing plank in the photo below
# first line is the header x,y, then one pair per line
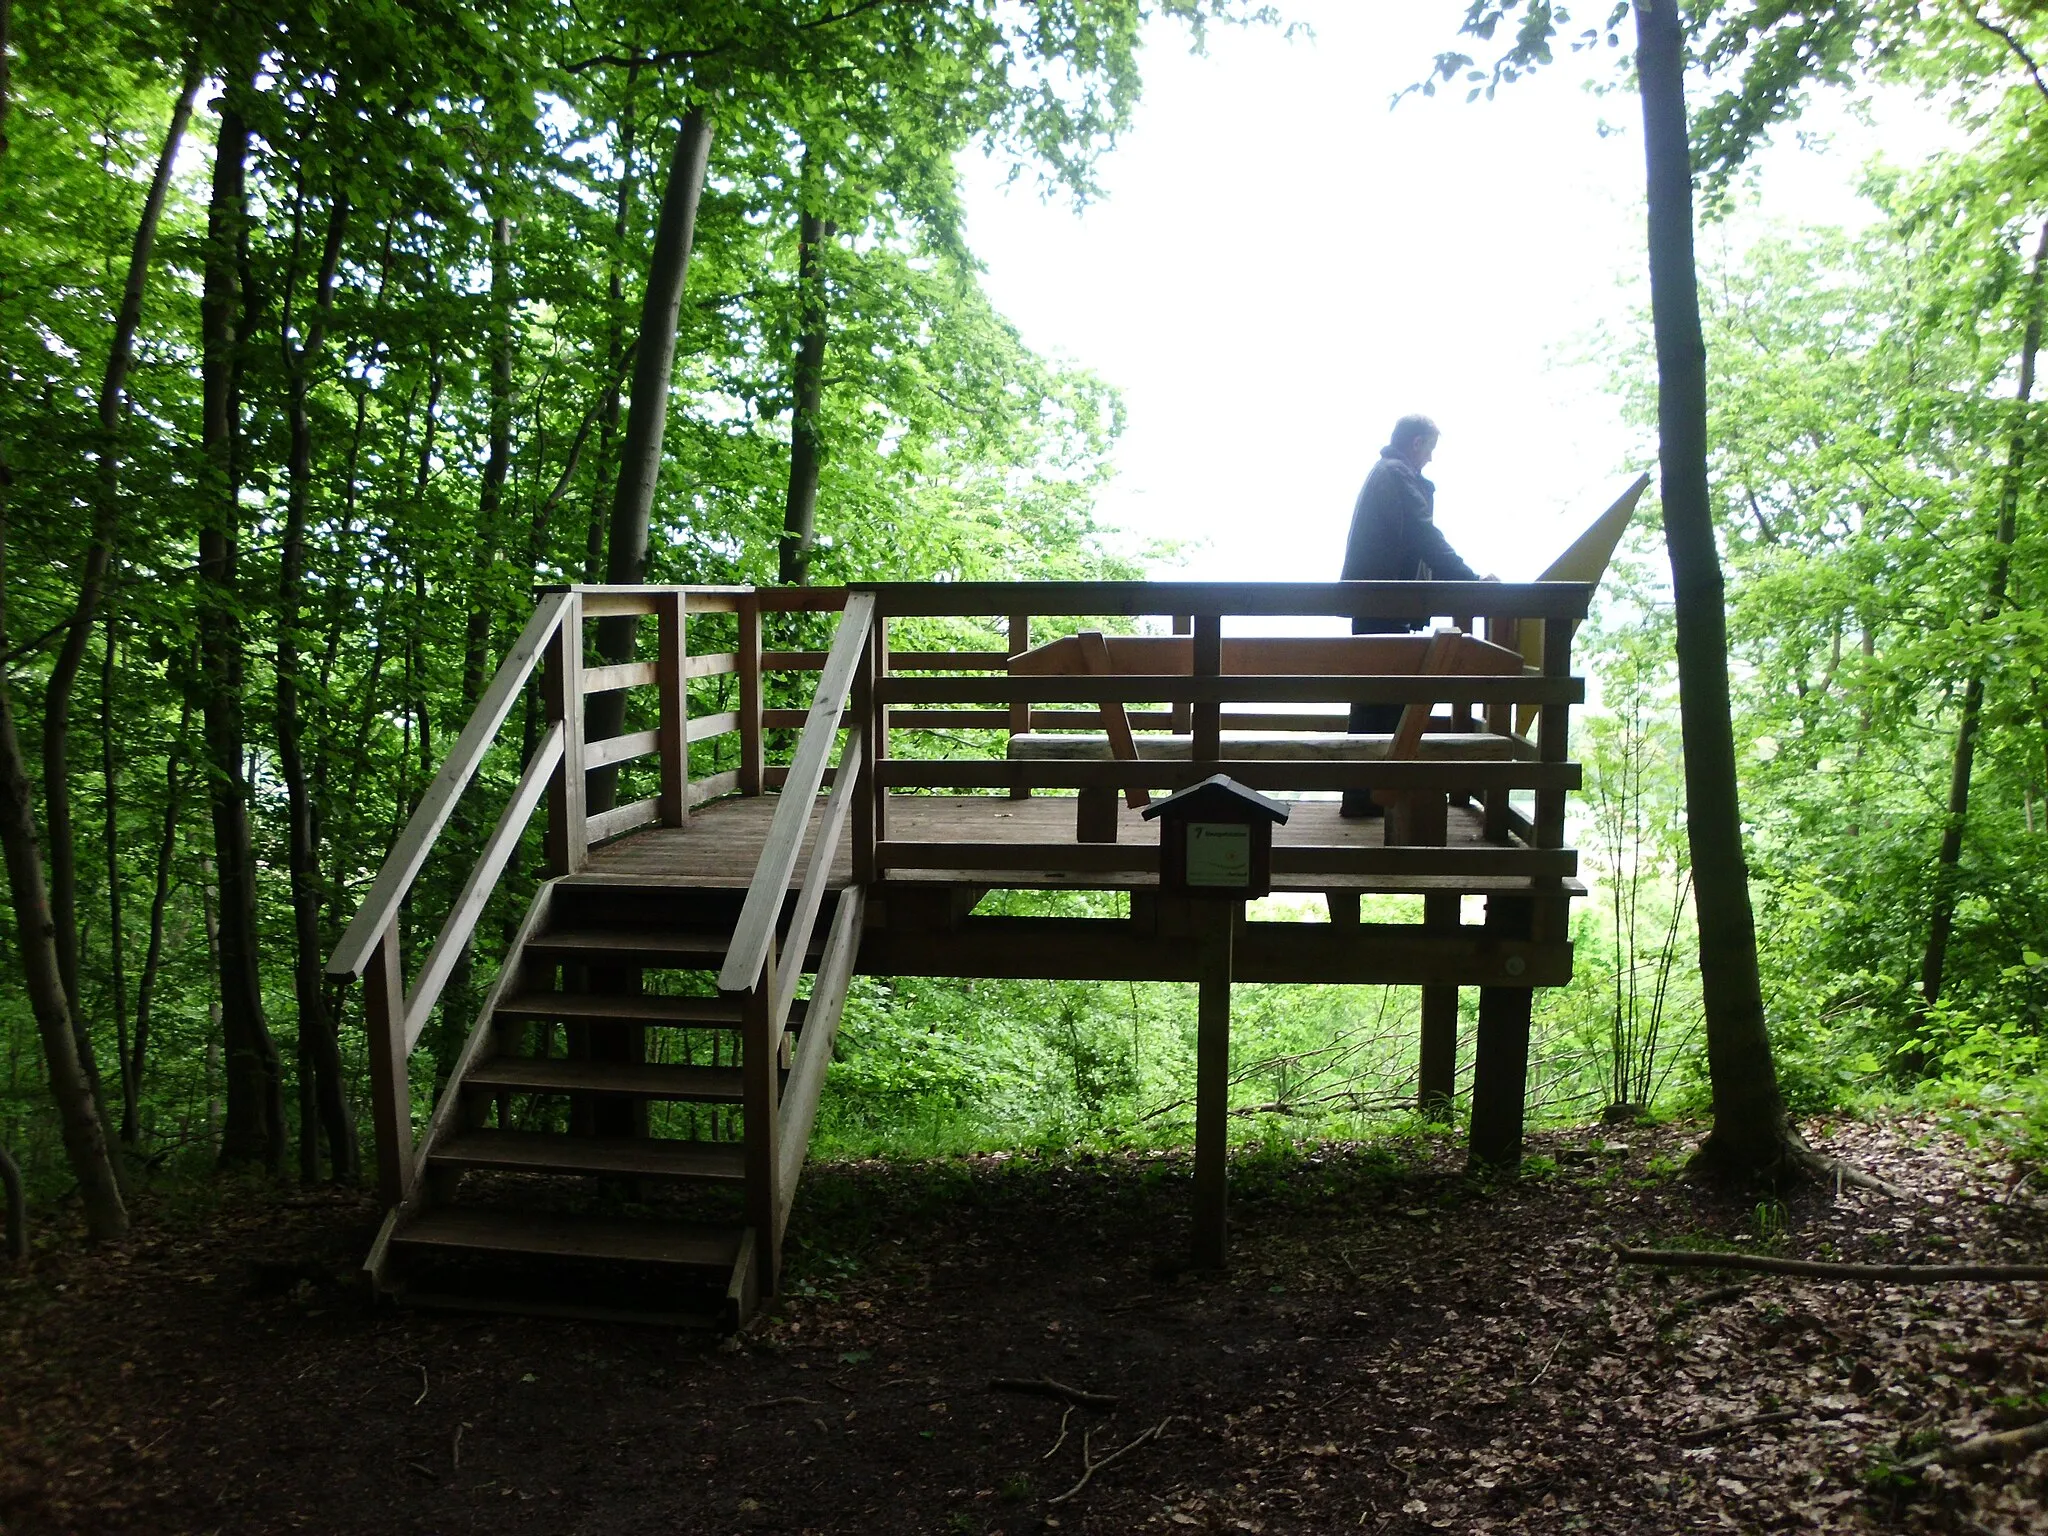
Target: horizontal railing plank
x,y
712,785
623,818
1339,599
1311,688
899,661
625,674
711,664
704,727
620,749
1260,774
403,863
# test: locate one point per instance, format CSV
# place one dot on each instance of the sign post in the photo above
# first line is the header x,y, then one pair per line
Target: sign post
x,y
1215,845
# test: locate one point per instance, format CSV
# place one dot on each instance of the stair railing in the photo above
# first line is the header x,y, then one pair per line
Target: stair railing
x,y
764,981
394,1016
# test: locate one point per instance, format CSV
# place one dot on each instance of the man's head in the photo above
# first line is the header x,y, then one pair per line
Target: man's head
x,y
1414,440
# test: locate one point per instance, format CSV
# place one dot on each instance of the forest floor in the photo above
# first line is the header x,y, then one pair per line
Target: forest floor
x,y
1397,1348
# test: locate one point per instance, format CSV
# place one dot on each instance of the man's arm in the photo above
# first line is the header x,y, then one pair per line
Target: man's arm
x,y
1436,552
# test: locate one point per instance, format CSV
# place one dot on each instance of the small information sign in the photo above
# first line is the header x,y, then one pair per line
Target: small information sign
x,y
1219,854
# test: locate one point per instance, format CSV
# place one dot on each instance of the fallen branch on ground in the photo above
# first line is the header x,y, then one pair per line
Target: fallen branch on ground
x,y
1090,1468
1729,1426
1682,1258
781,1402
1045,1386
2005,1445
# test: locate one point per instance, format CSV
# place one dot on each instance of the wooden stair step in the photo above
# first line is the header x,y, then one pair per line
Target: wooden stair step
x,y
554,1235
541,1152
682,948
687,949
630,1008
635,1079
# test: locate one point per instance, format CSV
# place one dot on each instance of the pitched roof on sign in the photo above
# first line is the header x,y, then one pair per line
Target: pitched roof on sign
x,y
1217,795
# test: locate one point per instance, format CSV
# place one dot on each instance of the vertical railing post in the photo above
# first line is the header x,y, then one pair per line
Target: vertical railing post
x,y
1500,720
1207,745
673,733
878,641
390,1082
866,713
1553,745
568,836
1183,714
760,1072
751,762
1020,711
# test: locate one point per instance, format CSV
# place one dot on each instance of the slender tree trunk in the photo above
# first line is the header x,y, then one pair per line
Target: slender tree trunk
x,y
85,1138
800,506
322,1106
152,959
647,420
106,522
10,1175
110,839
615,339
1750,1135
483,602
1948,859
254,1131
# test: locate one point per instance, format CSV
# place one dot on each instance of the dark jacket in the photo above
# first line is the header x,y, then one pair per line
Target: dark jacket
x,y
1394,537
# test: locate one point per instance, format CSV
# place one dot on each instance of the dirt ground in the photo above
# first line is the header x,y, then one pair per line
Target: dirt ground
x,y
1396,1349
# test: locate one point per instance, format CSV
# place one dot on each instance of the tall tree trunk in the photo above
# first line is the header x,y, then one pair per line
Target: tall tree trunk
x,y
84,1132
647,421
488,543
800,506
110,840
615,339
1948,859
152,958
1750,1134
10,1175
106,524
254,1130
322,1106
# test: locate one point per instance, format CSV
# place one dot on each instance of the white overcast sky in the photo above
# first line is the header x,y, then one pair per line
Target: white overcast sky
x,y
1281,266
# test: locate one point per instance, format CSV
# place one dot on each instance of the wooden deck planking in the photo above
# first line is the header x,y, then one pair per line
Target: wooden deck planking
x,y
721,843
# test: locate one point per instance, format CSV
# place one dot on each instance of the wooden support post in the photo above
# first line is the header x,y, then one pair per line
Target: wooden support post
x,y
751,761
1207,728
390,1083
613,1115
1020,712
760,1074
568,834
1500,1064
1343,908
1212,1085
673,733
1438,1072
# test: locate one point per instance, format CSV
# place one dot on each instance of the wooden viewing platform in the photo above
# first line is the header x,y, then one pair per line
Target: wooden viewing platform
x,y
662,1021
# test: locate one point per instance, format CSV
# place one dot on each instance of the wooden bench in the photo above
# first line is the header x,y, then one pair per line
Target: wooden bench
x,y
1419,736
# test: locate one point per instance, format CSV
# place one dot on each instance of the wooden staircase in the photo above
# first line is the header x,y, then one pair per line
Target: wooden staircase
x,y
589,1154
623,1130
